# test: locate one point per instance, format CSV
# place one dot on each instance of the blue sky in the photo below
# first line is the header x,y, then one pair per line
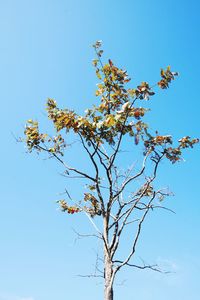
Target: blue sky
x,y
46,51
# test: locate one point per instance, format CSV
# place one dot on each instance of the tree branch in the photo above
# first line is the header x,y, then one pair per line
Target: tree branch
x,y
151,267
66,166
97,174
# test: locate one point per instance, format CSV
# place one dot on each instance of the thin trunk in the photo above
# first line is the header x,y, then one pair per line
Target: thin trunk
x,y
108,293
108,267
108,287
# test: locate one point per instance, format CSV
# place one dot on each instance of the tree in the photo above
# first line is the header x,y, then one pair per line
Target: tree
x,y
117,121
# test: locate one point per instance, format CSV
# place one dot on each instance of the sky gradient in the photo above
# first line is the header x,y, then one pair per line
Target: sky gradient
x,y
46,51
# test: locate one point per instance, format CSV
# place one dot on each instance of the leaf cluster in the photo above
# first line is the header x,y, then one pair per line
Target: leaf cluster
x,y
120,111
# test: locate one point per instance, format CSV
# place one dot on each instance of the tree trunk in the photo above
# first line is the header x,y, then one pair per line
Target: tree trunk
x,y
108,287
108,293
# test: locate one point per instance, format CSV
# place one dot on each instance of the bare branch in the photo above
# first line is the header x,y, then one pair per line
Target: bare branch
x,y
97,174
151,267
80,235
65,165
97,270
137,235
131,222
117,232
75,176
133,177
90,275
163,207
113,156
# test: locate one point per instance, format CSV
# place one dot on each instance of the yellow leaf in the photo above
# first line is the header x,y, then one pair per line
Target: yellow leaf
x,y
98,74
110,121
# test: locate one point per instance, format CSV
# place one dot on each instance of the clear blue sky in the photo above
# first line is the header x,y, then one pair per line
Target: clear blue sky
x,y
45,52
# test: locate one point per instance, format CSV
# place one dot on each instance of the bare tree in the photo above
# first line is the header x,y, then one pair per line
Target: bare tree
x,y
120,197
